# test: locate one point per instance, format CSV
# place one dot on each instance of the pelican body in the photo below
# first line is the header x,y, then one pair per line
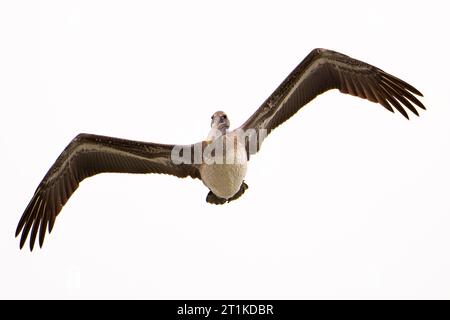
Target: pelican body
x,y
220,161
225,178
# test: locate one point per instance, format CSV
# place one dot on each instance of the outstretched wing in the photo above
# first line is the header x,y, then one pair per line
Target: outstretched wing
x,y
85,156
321,71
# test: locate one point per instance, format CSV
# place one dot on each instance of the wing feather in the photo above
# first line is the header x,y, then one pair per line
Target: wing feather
x,y
85,156
323,70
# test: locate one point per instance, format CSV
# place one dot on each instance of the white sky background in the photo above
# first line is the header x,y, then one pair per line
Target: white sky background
x,y
345,200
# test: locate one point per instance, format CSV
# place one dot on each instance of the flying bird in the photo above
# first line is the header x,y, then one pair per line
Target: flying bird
x,y
219,161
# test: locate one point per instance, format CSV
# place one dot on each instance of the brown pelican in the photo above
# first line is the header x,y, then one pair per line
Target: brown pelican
x,y
220,161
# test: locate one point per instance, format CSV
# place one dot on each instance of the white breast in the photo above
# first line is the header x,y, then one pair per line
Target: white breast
x,y
225,179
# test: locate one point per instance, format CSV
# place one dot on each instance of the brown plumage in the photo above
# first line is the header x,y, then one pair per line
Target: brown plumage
x,y
323,70
87,155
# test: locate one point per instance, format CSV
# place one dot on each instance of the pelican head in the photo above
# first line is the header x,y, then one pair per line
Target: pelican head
x,y
219,121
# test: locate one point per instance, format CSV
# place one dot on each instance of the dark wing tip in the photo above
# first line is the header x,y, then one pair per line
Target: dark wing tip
x,y
23,238
34,219
398,93
369,82
42,231
17,231
404,113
